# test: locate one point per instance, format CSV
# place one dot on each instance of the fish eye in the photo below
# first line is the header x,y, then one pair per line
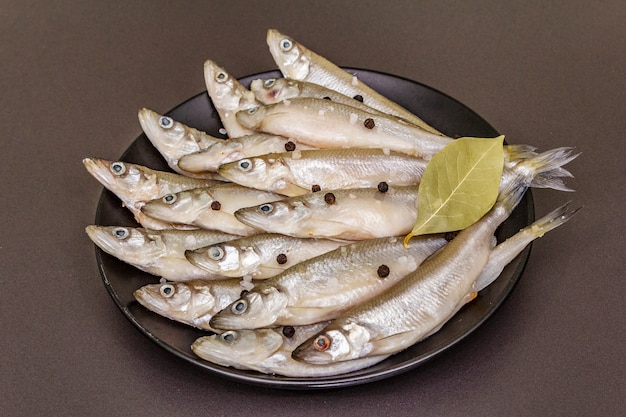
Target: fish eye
x,y
321,343
269,83
266,208
167,290
245,165
252,110
229,336
216,253
166,122
121,233
221,77
239,307
170,198
118,168
286,44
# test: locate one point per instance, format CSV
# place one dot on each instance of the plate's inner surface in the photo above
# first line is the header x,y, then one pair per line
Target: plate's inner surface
x,y
437,109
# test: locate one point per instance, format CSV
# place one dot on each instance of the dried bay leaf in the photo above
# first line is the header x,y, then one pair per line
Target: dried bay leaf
x,y
460,184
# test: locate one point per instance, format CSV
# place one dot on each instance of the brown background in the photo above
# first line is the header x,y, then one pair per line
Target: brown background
x,y
74,74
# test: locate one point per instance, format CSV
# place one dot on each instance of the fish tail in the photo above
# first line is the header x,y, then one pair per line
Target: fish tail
x,y
552,220
547,168
506,251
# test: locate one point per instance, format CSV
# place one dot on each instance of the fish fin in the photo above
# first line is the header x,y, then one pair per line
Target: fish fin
x,y
517,153
394,343
547,168
504,253
290,190
547,181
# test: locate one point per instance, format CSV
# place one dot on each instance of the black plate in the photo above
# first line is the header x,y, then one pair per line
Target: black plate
x,y
437,109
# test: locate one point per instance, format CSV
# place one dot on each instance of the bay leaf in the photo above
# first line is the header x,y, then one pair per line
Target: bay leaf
x,y
460,184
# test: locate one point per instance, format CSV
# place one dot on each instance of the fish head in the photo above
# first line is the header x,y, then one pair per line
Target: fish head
x,y
227,259
165,133
253,117
182,301
182,207
260,307
275,90
243,347
131,183
289,55
278,216
130,244
167,299
334,344
267,172
212,157
226,92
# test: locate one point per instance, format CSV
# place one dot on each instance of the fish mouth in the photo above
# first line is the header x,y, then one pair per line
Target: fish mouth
x,y
210,66
209,348
329,346
230,172
306,353
154,209
256,85
104,239
249,217
151,301
200,258
226,322
100,238
210,70
99,169
272,39
232,318
148,121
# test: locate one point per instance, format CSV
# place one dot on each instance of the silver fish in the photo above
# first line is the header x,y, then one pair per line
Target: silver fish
x,y
136,184
228,96
325,286
355,214
300,63
210,207
300,172
207,161
421,303
260,256
191,302
174,140
269,351
327,124
158,252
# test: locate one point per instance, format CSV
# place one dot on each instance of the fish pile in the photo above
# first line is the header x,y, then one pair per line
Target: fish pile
x,y
285,241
